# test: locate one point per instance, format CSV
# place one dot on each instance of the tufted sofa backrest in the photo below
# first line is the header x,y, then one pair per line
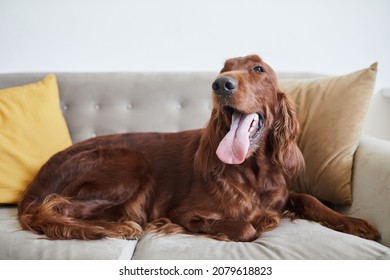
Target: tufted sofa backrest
x,y
106,103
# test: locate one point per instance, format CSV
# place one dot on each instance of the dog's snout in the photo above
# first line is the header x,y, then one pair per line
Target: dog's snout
x,y
224,86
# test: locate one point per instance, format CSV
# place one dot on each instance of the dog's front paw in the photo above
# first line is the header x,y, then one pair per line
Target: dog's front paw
x,y
359,228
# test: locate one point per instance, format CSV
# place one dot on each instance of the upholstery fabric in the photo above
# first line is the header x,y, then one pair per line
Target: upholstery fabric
x,y
32,128
331,113
295,240
291,240
16,243
96,104
371,185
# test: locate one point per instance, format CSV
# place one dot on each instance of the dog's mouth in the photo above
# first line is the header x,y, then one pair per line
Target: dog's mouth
x,y
256,125
244,134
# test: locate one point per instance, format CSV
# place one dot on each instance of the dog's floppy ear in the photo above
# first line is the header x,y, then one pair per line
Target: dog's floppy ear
x,y
285,129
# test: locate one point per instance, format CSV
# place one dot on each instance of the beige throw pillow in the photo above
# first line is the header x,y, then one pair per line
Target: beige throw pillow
x,y
331,113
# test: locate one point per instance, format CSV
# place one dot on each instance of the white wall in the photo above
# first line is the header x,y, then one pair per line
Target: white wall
x,y
323,36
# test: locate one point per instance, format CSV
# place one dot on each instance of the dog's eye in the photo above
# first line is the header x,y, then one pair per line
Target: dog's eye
x,y
258,69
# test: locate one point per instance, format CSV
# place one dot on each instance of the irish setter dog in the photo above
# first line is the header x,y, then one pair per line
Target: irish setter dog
x,y
227,181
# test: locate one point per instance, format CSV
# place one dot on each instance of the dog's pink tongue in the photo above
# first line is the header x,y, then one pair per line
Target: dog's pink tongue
x,y
234,146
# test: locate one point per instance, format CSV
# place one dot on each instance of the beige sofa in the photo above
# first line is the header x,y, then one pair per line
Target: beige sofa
x,y
105,103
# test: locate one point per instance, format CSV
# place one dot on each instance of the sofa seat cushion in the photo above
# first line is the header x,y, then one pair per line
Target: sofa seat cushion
x,y
16,243
299,239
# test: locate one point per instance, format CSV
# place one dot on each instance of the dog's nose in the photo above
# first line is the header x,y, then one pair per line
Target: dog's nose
x,y
224,86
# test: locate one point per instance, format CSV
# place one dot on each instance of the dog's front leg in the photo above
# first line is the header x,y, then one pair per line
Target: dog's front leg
x,y
308,207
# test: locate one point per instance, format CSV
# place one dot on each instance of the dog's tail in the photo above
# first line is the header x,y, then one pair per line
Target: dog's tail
x,y
63,218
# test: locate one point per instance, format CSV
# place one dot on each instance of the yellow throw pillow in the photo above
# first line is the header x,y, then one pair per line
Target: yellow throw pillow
x,y
32,129
331,113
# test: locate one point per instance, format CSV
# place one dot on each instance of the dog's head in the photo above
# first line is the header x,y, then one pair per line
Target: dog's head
x,y
252,113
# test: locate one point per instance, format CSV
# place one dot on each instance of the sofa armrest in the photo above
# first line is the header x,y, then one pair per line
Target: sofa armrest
x,y
371,185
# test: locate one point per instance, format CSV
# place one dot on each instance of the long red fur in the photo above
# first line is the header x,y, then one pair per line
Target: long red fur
x,y
119,185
